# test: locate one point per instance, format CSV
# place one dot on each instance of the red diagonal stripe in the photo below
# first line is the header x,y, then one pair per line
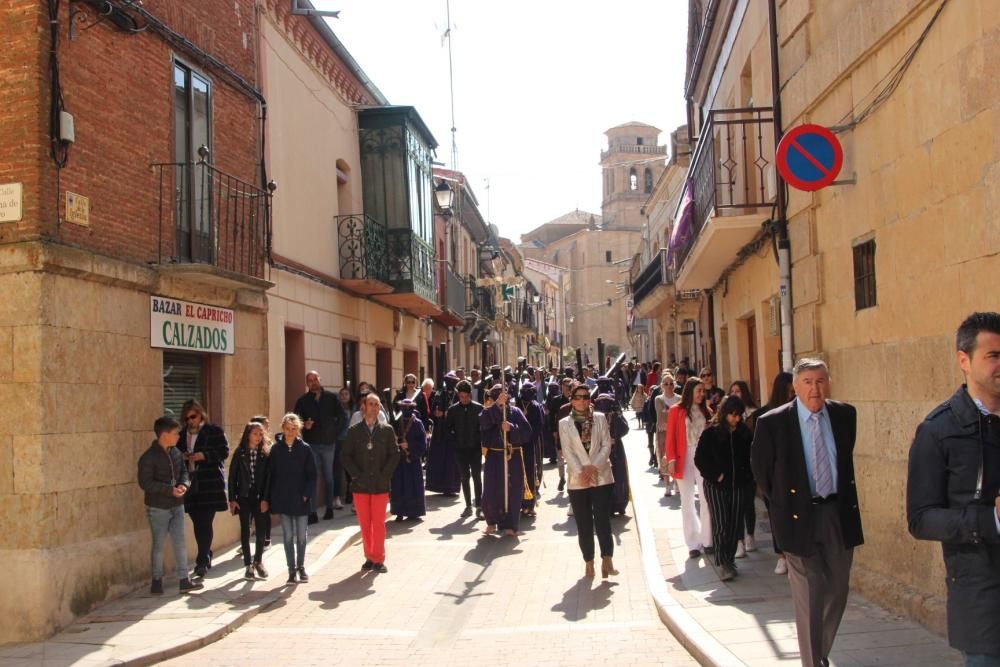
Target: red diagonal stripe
x,y
816,163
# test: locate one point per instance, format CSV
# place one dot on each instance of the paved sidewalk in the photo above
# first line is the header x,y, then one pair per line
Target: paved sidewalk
x,y
750,619
142,629
453,597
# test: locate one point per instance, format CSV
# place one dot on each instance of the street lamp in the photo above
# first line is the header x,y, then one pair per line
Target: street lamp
x,y
445,197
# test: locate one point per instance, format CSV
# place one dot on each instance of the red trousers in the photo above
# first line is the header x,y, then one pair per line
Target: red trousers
x,y
371,517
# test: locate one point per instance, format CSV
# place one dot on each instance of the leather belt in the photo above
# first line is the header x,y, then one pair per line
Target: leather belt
x,y
820,500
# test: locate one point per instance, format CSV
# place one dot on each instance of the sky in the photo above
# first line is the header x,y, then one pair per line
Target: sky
x,y
536,84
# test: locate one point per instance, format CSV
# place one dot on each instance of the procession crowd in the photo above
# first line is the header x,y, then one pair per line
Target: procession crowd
x,y
489,437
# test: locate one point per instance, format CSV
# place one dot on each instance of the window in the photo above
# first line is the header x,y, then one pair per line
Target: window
x,y
192,129
649,181
864,275
184,378
638,141
633,180
607,256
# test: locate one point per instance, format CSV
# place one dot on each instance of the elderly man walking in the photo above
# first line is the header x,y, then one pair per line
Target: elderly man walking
x,y
803,460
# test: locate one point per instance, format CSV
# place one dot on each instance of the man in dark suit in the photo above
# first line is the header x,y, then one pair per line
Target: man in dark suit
x,y
803,459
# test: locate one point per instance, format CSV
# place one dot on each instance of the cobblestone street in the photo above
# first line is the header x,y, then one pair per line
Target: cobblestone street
x,y
455,597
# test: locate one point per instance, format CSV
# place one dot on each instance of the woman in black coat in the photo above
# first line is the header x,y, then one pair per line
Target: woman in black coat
x,y
205,449
723,459
249,485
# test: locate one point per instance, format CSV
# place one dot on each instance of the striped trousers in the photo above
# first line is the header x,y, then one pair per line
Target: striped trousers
x,y
725,506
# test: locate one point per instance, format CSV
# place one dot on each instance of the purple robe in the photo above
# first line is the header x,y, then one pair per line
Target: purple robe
x,y
619,465
443,473
493,473
535,415
406,497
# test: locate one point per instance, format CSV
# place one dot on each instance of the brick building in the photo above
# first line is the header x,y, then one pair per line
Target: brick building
x,y
133,264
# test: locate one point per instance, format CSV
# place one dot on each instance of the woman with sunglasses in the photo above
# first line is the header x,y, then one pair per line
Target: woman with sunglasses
x,y
586,445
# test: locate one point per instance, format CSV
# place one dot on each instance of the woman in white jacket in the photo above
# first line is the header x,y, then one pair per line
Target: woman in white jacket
x,y
586,446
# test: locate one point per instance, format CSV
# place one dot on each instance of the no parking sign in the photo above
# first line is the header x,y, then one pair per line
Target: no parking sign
x,y
809,157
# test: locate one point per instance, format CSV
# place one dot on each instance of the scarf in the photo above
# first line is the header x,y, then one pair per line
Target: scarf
x,y
584,422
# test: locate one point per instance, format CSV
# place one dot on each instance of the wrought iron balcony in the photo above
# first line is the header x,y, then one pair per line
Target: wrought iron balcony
x,y
362,250
655,274
479,301
410,262
521,313
733,186
211,218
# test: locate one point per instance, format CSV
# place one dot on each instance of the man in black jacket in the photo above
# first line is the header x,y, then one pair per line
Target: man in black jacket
x,y
370,456
164,479
803,460
322,416
462,432
953,491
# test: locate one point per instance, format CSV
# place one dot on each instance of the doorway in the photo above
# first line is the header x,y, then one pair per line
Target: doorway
x,y
349,355
295,366
383,368
754,379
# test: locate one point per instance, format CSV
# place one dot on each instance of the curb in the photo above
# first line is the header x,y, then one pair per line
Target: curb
x,y
227,622
702,646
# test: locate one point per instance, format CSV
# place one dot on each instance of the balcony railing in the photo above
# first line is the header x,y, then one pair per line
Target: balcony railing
x,y
634,148
731,167
479,301
362,250
410,263
210,217
656,273
452,294
521,313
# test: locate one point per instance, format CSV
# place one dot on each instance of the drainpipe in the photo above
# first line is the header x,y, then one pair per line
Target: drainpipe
x,y
781,222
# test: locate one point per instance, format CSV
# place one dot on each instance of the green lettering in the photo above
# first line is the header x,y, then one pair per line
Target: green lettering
x,y
225,340
167,339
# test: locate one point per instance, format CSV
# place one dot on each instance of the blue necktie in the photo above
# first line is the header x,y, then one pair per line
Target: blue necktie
x,y
822,470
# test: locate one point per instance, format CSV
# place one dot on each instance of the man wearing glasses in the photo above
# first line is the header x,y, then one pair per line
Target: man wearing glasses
x,y
205,449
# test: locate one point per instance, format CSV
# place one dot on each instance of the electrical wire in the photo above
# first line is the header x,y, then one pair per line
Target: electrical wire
x,y
894,77
58,149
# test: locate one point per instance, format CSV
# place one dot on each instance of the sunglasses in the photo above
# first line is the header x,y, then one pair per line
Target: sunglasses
x,y
581,397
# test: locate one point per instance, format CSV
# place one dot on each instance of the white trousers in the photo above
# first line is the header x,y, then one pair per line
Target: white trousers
x,y
696,520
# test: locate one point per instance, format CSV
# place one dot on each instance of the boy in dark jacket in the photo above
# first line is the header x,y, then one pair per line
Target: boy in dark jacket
x,y
164,480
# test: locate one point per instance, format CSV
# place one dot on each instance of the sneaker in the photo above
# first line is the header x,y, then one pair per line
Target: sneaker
x,y
570,511
303,577
741,551
291,577
259,569
156,587
337,505
380,568
329,514
249,575
186,585
313,518
750,544
781,567
727,573
367,565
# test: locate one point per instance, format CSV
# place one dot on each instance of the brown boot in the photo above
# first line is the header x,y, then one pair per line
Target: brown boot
x,y
607,567
589,570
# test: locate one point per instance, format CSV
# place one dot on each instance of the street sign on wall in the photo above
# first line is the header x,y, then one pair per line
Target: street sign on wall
x,y
809,157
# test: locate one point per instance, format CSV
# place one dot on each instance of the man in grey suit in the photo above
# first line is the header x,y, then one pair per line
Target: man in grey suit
x,y
803,459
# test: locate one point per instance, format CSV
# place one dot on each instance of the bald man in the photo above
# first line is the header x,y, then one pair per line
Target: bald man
x,y
322,417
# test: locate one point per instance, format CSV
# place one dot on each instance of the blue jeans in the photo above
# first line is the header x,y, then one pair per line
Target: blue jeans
x,y
981,660
325,455
294,532
161,523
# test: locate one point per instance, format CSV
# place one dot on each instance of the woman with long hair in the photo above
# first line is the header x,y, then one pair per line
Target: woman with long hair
x,y
686,421
663,402
745,533
723,459
293,482
781,393
586,443
249,485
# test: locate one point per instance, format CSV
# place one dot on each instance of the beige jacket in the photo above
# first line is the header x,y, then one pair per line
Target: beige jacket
x,y
577,457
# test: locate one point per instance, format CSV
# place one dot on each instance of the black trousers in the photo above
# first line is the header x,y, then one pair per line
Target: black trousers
x,y
749,522
470,462
250,511
202,520
592,512
339,474
725,506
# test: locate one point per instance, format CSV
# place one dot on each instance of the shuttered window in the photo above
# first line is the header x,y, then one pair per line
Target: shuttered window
x,y
183,379
864,275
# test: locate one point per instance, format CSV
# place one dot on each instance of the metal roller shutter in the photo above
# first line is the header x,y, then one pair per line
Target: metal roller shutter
x,y
183,379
